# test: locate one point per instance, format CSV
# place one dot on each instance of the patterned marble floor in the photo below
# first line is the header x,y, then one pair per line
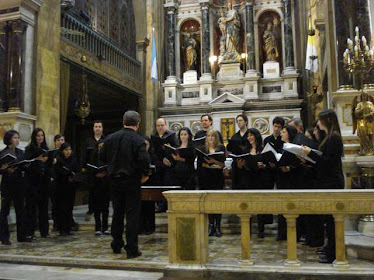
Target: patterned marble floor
x,y
86,250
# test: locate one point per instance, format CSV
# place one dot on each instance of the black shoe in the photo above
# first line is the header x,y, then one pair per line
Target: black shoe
x,y
211,230
116,250
134,255
6,242
324,259
261,234
218,232
75,227
25,239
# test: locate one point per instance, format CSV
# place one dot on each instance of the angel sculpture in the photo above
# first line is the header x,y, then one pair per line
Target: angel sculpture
x,y
363,116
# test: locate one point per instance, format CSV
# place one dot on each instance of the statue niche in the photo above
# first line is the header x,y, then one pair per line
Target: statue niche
x,y
229,27
190,46
269,32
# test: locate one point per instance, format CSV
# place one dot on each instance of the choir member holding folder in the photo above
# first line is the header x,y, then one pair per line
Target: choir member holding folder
x,y
286,174
207,124
101,191
12,187
210,162
38,178
183,160
160,158
329,170
236,146
256,173
65,168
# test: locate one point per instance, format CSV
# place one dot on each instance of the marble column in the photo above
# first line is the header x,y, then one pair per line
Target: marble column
x,y
4,30
343,17
288,36
205,40
250,36
18,28
171,42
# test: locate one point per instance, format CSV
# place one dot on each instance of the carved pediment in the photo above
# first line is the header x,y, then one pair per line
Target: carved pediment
x,y
226,99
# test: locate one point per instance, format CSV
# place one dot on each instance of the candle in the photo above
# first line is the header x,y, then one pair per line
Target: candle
x,y
356,51
357,30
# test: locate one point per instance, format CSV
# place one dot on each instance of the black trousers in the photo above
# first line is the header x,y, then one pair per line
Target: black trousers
x,y
65,204
37,196
126,201
101,220
15,193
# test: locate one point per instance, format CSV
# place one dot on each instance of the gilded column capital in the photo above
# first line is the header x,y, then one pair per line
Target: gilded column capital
x,y
4,27
18,26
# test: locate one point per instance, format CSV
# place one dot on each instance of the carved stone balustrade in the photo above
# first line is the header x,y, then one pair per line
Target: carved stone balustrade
x,y
188,219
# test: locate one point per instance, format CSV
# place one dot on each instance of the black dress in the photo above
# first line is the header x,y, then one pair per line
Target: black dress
x,y
13,187
65,169
37,191
330,176
184,171
209,178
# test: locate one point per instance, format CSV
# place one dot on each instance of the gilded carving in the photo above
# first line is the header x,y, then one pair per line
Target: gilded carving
x,y
243,206
339,206
186,243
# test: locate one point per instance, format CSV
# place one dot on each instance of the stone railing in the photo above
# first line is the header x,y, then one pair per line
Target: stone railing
x,y
83,36
188,220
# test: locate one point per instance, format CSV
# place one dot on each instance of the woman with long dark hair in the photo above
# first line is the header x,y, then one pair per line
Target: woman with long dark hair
x,y
287,175
210,174
183,164
256,176
65,169
329,170
12,189
38,179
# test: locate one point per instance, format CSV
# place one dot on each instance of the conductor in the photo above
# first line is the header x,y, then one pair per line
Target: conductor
x,y
125,153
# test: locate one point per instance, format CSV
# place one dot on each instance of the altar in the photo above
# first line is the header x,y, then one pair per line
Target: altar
x,y
227,58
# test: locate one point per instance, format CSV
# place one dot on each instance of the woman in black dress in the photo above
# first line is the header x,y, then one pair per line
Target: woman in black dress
x,y
287,175
12,189
329,171
38,179
210,174
65,168
183,163
257,174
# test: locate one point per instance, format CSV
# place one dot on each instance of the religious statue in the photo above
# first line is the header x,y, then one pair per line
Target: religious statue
x,y
363,117
190,52
271,51
229,25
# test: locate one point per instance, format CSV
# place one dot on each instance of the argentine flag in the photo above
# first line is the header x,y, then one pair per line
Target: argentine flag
x,y
154,58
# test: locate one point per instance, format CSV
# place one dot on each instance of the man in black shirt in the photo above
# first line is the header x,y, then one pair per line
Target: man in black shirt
x,y
128,167
237,141
275,138
86,158
206,123
159,158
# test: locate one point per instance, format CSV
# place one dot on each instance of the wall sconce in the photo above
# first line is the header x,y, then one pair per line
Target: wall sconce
x,y
212,60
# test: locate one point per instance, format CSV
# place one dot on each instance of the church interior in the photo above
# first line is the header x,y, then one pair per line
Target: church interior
x,y
64,64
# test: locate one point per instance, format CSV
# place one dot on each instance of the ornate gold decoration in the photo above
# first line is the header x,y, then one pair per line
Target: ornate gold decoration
x,y
359,60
